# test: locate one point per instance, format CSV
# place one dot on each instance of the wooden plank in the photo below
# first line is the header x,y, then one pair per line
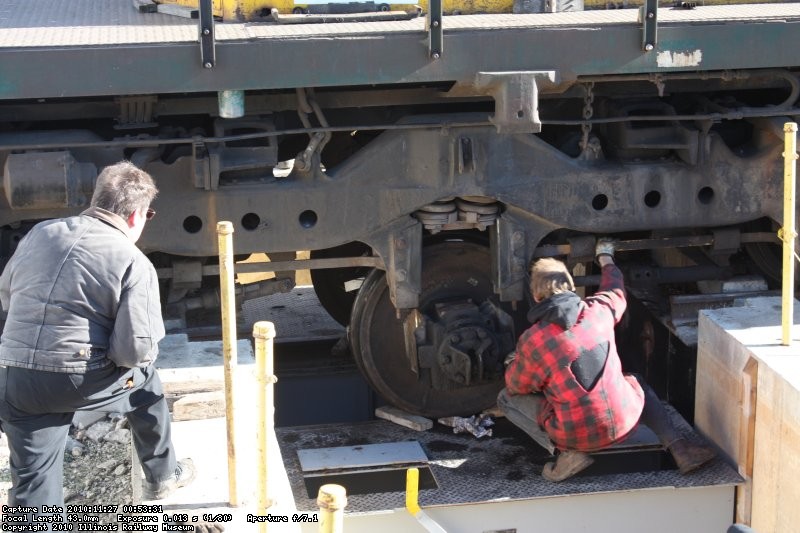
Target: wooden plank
x,y
776,465
199,406
178,11
744,492
400,417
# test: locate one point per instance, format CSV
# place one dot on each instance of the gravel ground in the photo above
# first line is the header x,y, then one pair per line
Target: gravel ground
x,y
5,475
96,470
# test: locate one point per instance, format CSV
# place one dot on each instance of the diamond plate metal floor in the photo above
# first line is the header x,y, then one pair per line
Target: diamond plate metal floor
x,y
297,315
508,466
47,23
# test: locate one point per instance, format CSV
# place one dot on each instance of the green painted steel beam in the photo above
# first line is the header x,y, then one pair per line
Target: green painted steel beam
x,y
375,59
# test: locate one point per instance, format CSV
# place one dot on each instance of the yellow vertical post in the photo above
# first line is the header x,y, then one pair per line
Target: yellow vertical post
x,y
412,491
412,503
788,233
228,305
264,333
332,499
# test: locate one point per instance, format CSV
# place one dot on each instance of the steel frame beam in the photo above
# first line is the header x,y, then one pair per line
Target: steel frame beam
x,y
119,69
540,187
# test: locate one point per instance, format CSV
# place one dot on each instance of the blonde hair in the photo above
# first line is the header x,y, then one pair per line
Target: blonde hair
x,y
548,277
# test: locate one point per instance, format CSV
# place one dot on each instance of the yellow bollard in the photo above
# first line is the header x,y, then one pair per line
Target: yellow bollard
x,y
332,500
263,333
228,305
787,233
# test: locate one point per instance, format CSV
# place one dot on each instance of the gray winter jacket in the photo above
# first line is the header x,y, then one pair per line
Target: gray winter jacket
x,y
80,295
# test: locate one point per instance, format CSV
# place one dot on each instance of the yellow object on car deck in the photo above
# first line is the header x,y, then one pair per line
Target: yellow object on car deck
x,y
253,10
249,10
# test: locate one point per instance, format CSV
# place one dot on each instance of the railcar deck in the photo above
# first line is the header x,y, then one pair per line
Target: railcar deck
x,y
47,23
50,48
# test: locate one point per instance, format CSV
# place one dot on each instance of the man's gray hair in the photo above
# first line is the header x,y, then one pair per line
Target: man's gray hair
x,y
123,188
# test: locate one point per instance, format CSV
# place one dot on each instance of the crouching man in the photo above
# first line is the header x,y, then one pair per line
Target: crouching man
x,y
564,383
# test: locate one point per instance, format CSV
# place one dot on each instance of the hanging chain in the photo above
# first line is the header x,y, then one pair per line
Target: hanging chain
x,y
588,111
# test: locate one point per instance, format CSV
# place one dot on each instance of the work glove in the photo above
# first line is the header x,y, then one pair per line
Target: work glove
x,y
509,358
604,246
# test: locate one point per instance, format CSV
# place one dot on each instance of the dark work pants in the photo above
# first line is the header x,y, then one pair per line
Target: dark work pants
x,y
655,416
36,410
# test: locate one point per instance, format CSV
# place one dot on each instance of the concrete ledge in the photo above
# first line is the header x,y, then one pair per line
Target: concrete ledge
x,y
199,406
196,367
205,441
193,377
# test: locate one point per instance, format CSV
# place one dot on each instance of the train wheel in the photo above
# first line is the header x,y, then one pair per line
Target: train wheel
x,y
329,284
461,344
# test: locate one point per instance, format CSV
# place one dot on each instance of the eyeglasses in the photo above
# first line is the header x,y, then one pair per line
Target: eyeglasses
x,y
150,214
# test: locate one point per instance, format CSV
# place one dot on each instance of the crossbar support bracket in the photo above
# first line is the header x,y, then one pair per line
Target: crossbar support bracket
x,y
206,28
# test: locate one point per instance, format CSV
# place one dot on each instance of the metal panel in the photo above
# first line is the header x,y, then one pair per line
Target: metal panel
x,y
664,510
390,453
522,171
368,481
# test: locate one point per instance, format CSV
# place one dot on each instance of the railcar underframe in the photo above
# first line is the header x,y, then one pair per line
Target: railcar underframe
x,y
433,181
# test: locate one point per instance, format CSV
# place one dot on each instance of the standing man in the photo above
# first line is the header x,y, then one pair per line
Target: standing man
x,y
84,321
564,382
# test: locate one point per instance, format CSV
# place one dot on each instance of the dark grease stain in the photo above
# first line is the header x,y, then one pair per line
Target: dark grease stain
x,y
291,438
515,475
356,441
445,446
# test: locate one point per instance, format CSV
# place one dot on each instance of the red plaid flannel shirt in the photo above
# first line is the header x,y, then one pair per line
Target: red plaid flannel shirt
x,y
577,419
